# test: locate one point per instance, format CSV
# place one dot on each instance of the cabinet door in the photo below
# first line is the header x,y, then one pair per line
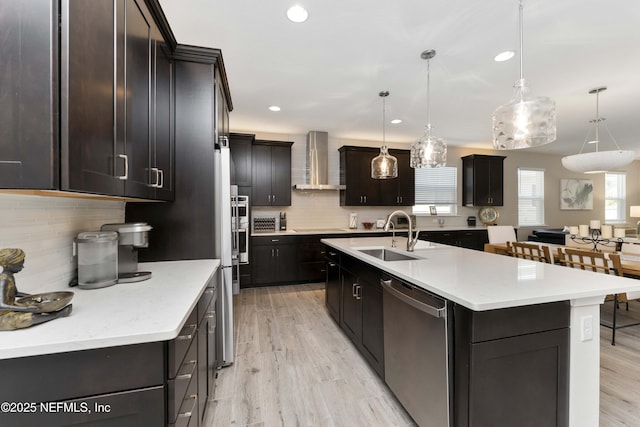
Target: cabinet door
x,y
137,85
88,111
263,264
351,321
286,259
399,191
482,181
333,289
261,188
281,176
520,378
372,331
162,114
361,188
240,146
29,94
496,181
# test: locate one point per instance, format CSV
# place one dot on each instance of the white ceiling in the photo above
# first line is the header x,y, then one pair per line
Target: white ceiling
x,y
326,73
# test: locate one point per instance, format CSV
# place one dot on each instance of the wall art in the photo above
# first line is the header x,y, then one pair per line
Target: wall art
x,y
576,194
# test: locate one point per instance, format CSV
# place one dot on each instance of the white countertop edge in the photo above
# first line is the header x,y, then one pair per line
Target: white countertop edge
x,y
478,290
156,311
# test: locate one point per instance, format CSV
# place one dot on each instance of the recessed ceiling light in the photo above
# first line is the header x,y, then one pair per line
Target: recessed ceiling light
x,y
274,108
504,56
297,13
396,121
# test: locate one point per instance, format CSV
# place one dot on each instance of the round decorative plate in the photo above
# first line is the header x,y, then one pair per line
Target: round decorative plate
x,y
488,215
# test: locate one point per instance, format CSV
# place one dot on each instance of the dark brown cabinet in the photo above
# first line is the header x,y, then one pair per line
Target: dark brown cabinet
x,y
106,109
240,145
184,229
470,239
333,283
399,191
29,94
482,180
271,178
361,310
83,117
362,190
274,260
311,261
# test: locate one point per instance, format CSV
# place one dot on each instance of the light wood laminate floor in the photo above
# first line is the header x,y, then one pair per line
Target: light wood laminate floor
x,y
295,367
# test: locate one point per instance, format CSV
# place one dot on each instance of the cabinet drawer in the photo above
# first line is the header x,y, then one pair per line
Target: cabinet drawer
x,y
188,411
178,347
312,271
204,303
177,387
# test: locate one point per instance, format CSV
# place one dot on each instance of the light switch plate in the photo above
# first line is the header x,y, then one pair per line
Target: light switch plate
x,y
380,223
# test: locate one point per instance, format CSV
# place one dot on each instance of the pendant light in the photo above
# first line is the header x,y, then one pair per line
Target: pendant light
x,y
384,165
428,151
524,121
598,161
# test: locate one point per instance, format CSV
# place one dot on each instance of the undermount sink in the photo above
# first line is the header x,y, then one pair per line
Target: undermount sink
x,y
387,254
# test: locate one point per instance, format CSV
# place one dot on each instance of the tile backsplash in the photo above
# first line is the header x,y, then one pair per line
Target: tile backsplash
x,y
44,227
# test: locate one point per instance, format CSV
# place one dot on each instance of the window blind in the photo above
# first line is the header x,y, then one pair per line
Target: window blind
x,y
530,197
436,186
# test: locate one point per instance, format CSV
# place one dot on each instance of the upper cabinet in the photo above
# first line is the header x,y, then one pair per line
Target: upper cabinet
x,y
108,66
362,190
271,180
29,94
240,145
482,179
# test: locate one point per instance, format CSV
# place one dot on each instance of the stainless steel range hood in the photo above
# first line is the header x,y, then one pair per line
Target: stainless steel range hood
x,y
317,170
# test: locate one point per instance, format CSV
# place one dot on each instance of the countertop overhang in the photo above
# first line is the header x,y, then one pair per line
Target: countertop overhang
x,y
482,281
123,314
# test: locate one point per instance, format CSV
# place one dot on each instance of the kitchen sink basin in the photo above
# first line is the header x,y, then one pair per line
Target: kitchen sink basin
x,y
388,255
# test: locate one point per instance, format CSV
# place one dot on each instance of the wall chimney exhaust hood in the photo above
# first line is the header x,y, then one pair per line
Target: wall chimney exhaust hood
x,y
317,170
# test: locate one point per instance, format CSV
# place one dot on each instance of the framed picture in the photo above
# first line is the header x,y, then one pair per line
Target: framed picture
x,y
433,210
576,194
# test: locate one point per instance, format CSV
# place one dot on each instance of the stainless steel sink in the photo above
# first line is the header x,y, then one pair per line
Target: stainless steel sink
x,y
388,255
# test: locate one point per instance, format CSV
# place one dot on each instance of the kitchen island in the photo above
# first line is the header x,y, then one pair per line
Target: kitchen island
x,y
485,285
144,350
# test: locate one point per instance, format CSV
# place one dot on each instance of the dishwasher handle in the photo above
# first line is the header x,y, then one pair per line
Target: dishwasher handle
x,y
430,307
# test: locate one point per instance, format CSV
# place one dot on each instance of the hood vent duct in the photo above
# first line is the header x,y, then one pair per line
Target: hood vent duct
x,y
317,170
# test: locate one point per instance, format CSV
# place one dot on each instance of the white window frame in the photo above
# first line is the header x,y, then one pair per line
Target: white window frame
x,y
533,200
445,204
619,213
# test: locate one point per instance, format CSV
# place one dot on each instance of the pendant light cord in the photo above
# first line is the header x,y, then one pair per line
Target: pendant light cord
x,y
428,97
521,43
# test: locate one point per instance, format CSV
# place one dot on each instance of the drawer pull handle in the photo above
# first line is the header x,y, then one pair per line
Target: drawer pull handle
x,y
187,336
190,374
188,414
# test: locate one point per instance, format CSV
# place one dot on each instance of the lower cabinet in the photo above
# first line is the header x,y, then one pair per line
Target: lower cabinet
x,y
361,309
150,384
333,283
274,260
470,239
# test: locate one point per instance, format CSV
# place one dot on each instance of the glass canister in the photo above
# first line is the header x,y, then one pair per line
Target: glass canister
x,y
97,259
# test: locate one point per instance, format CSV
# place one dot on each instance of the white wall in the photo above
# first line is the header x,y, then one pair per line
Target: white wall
x,y
321,209
44,227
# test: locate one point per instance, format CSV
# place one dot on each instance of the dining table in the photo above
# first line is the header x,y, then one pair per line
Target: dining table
x,y
630,262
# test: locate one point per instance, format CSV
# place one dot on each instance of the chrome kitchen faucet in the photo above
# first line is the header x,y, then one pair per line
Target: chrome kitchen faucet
x,y
411,239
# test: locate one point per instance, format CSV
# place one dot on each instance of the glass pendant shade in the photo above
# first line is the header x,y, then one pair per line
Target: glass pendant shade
x,y
524,121
428,151
384,165
598,161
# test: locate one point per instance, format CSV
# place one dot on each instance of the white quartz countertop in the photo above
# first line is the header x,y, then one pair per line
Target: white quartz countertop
x,y
483,281
126,313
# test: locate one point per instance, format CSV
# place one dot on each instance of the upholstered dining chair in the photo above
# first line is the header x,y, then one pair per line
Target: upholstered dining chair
x,y
531,251
607,263
501,233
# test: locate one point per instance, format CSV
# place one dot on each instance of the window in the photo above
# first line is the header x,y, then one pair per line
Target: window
x,y
530,197
615,192
436,187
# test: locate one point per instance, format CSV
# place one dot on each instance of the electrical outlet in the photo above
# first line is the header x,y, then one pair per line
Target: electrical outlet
x,y
587,328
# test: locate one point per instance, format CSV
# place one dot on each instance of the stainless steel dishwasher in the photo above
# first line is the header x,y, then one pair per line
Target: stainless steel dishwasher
x,y
416,361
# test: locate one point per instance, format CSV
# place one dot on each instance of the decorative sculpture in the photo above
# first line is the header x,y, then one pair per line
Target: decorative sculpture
x,y
31,309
